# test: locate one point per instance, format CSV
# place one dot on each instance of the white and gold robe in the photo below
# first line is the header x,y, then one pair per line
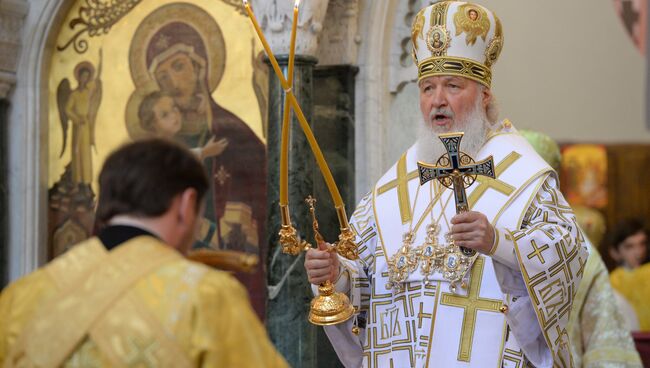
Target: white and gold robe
x,y
534,270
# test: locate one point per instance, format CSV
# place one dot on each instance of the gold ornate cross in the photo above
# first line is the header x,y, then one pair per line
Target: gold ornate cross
x,y
456,170
471,304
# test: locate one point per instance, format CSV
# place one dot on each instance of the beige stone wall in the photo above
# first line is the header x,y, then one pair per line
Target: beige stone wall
x,y
570,70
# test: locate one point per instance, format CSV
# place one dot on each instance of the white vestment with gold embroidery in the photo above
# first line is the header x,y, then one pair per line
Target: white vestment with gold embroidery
x,y
427,324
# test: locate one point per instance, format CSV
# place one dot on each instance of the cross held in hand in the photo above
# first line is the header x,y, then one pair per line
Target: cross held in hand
x,y
455,169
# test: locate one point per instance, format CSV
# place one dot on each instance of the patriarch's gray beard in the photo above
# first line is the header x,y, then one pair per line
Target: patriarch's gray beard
x,y
429,148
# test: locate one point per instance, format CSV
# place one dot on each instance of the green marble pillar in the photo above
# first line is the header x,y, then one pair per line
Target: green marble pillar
x,y
287,323
4,198
327,98
334,129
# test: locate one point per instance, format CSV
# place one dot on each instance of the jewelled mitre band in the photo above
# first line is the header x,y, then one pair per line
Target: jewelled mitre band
x,y
456,38
446,65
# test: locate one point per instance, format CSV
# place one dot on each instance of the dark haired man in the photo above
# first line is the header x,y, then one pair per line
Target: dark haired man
x,y
128,297
628,246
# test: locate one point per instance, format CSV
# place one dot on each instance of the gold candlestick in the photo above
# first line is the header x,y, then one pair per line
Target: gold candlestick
x,y
288,235
284,155
320,159
330,307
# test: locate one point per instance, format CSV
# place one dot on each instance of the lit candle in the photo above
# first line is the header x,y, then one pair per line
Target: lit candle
x,y
286,125
267,48
322,164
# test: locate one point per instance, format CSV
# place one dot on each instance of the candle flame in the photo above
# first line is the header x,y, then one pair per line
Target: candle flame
x,y
245,2
296,4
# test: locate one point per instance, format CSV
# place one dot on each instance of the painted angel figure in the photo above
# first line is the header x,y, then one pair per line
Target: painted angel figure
x,y
80,106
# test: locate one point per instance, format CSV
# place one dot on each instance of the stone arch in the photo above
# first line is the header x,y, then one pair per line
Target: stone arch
x,y
28,139
383,26
372,92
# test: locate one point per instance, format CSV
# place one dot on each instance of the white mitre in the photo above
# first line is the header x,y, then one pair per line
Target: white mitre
x,y
456,38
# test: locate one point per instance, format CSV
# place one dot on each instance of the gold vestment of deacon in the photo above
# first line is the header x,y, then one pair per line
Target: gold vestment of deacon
x,y
634,285
142,303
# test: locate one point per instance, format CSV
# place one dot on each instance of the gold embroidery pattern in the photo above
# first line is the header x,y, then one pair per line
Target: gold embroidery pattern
x,y
362,240
401,183
396,323
362,214
473,21
87,356
493,51
515,359
537,251
439,13
486,183
120,268
461,67
470,304
551,279
141,353
416,29
363,227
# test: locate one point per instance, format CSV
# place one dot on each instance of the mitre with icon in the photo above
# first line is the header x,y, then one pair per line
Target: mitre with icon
x,y
456,38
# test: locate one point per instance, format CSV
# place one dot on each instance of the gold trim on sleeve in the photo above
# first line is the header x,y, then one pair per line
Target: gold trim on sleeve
x,y
496,242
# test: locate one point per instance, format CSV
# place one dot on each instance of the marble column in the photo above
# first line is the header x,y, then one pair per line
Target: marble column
x,y
333,125
4,235
287,313
334,130
12,18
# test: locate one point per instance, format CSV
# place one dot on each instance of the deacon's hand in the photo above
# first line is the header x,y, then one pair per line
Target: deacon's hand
x,y
321,264
473,230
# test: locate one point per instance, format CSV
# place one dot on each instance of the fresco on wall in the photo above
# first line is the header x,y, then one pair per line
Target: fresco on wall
x,y
187,71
